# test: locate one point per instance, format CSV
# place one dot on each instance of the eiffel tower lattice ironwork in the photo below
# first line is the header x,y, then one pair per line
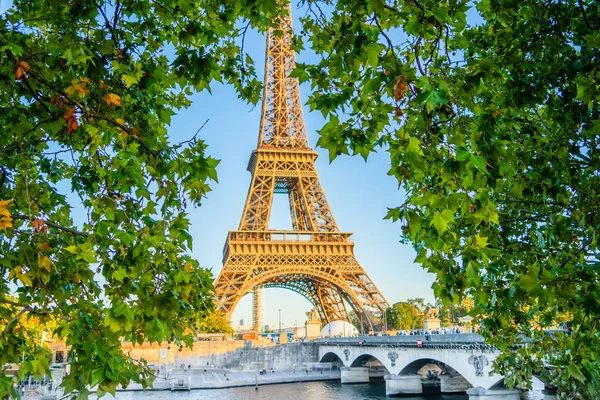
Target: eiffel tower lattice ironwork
x,y
315,259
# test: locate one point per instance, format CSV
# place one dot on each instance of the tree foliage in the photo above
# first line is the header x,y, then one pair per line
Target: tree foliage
x,y
449,314
215,322
491,119
408,315
93,187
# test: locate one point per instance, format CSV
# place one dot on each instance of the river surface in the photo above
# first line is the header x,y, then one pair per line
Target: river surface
x,y
291,391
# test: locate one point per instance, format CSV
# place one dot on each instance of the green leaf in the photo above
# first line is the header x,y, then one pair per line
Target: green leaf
x,y
462,154
97,376
481,241
373,50
130,79
575,372
479,163
440,223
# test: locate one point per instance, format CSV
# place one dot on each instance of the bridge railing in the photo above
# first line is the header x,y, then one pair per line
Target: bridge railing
x,y
450,340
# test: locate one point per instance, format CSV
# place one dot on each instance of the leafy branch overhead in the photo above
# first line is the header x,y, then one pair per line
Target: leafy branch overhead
x,y
93,188
489,111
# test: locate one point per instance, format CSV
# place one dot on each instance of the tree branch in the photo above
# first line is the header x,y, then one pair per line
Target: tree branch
x,y
51,224
126,129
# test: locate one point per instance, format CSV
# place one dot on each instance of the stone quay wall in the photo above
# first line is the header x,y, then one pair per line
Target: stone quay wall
x,y
241,355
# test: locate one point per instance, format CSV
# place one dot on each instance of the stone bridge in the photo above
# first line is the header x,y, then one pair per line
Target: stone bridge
x,y
463,360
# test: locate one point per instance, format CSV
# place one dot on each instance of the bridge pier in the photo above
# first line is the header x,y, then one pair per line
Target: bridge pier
x,y
453,383
354,374
403,384
480,393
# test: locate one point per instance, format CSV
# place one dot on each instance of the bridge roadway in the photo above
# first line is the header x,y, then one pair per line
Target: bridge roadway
x,y
464,358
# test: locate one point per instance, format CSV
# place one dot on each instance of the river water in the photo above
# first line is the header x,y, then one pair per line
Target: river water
x,y
290,391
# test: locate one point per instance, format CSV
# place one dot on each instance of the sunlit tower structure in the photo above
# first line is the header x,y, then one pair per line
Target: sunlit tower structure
x,y
315,258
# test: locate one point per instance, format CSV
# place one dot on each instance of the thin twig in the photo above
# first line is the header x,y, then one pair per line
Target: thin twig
x,y
51,224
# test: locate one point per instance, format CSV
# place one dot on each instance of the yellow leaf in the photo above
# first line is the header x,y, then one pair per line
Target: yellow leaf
x,y
120,121
494,217
4,204
5,223
79,87
46,263
15,271
112,98
23,278
188,267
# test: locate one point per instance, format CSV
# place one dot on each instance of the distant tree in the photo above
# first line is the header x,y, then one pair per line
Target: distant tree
x,y
355,320
215,322
449,314
408,315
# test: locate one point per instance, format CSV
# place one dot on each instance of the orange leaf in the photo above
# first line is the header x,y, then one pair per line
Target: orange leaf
x,y
24,65
39,225
400,88
69,113
45,246
20,74
112,98
5,222
72,126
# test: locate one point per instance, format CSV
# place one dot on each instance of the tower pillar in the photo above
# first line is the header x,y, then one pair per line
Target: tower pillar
x,y
257,311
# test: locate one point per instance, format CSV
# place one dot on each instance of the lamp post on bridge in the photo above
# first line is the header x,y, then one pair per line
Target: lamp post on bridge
x,y
385,319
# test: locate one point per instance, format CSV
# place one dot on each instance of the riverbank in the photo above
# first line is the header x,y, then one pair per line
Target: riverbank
x,y
221,379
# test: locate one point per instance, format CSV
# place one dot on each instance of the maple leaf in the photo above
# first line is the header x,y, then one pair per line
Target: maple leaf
x,y
39,225
5,216
71,119
112,98
79,87
400,88
46,263
21,69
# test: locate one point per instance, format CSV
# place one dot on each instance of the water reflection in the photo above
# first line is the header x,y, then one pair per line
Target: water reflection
x,y
294,391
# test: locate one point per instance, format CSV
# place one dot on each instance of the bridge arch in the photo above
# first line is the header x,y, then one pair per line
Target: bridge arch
x,y
372,362
460,366
332,357
417,367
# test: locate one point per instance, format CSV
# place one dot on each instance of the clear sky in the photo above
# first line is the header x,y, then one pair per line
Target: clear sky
x,y
358,193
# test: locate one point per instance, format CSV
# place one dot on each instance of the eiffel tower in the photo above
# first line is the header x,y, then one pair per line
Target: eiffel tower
x,y
314,259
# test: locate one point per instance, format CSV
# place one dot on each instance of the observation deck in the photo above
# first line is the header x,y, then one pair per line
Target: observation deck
x,y
288,242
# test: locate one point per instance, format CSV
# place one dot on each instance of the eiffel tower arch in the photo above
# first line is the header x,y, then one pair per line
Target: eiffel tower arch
x,y
314,259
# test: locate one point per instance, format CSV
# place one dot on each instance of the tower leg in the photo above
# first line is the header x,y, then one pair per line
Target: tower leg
x,y
257,320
